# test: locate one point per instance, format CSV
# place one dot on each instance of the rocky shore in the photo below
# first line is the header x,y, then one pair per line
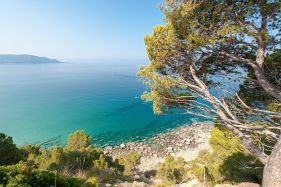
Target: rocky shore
x,y
186,141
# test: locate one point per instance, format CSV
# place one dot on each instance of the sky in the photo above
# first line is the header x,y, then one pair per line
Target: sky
x,y
78,29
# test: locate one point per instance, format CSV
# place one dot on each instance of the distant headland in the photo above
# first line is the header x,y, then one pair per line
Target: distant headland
x,y
26,59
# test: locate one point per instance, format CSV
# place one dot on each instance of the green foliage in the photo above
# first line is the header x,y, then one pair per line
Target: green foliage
x,y
254,94
50,159
68,158
9,153
106,162
241,167
29,150
42,167
81,160
222,23
172,169
276,107
165,91
24,176
200,33
228,162
225,143
130,161
79,141
91,182
206,168
106,169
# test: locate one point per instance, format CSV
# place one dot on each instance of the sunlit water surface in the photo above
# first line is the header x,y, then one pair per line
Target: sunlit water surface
x,y
39,102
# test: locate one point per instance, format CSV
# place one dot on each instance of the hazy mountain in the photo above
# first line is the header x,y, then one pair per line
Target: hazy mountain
x,y
25,59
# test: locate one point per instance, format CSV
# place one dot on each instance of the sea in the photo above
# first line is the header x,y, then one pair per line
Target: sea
x,y
42,102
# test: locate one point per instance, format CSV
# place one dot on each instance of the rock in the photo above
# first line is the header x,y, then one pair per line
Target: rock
x,y
108,148
170,149
157,148
137,177
108,185
118,181
187,141
179,144
192,183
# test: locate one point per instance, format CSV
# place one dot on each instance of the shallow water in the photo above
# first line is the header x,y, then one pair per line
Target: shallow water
x,y
39,102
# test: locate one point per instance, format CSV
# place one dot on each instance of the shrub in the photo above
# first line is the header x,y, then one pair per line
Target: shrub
x,y
81,160
106,169
21,175
238,164
78,158
172,169
51,159
130,161
79,141
91,182
276,107
29,150
9,153
229,161
71,160
206,168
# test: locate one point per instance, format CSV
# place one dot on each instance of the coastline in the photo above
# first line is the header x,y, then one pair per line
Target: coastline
x,y
185,141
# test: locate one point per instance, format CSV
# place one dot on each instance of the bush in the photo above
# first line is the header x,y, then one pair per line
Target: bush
x,y
206,168
29,150
276,107
81,160
78,158
51,159
79,141
228,162
130,161
22,175
238,163
172,169
70,160
91,182
9,153
106,169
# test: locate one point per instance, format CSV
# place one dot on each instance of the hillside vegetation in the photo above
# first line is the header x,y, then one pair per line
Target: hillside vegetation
x,y
80,163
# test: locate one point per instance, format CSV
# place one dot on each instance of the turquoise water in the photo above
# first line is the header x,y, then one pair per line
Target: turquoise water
x,y
39,102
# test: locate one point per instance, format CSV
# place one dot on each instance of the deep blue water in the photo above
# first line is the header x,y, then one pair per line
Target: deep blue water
x,y
38,102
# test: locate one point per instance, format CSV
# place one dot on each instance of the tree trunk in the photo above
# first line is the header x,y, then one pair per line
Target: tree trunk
x,y
269,88
272,170
265,84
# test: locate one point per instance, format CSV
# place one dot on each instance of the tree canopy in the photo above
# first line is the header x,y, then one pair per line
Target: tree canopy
x,y
9,153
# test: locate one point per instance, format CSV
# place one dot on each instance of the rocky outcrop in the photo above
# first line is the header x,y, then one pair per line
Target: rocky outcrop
x,y
186,141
